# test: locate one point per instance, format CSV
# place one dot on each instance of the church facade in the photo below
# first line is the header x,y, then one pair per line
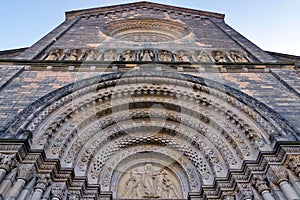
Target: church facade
x,y
148,101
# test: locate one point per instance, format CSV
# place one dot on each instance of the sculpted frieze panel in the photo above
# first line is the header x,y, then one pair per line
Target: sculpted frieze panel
x,y
148,181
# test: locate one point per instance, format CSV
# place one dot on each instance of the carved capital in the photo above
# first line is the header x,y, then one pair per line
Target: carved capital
x,y
260,183
245,192
293,163
43,180
58,190
278,174
26,172
8,162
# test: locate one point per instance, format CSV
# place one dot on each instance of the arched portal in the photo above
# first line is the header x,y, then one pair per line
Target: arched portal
x,y
149,134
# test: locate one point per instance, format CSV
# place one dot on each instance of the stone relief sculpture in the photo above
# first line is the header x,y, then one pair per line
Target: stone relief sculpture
x,y
128,56
146,55
73,54
202,57
165,56
54,54
92,54
237,56
110,55
150,183
219,56
182,57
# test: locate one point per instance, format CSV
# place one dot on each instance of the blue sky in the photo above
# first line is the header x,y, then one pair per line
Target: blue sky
x,y
271,24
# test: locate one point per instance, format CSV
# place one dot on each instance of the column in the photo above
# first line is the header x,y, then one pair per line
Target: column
x,y
58,191
7,163
279,176
25,173
42,183
260,184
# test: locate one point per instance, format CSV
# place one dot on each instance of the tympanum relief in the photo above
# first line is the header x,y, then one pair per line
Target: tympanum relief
x,y
149,181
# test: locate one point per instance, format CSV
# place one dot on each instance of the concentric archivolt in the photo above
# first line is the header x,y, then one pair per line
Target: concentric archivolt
x,y
183,117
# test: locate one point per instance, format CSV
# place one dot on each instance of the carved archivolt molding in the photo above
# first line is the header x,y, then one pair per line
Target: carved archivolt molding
x,y
95,120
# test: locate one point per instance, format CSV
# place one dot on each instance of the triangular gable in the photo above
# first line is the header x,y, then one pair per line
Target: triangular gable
x,y
143,4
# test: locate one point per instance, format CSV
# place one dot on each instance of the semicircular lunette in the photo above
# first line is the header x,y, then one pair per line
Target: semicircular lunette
x,y
146,30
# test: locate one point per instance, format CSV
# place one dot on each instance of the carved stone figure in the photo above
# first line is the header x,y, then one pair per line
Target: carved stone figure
x,y
110,55
203,57
92,54
7,162
133,186
58,190
165,56
54,54
128,56
73,54
182,57
146,55
150,183
219,56
237,56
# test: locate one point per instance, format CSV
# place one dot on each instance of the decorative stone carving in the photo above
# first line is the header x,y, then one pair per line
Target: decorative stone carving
x,y
43,180
54,54
146,30
219,56
8,162
245,192
73,196
73,54
150,183
128,56
237,56
260,183
92,54
58,190
110,55
26,172
293,163
146,55
165,56
182,57
201,56
278,174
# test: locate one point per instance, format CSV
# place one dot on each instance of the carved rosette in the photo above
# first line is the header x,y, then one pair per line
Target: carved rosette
x,y
26,172
293,163
260,183
7,162
58,190
43,180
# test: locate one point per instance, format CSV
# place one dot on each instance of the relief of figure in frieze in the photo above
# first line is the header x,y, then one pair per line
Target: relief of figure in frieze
x,y
182,57
73,54
92,54
128,56
150,183
237,56
110,55
54,54
146,55
165,56
201,56
219,56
